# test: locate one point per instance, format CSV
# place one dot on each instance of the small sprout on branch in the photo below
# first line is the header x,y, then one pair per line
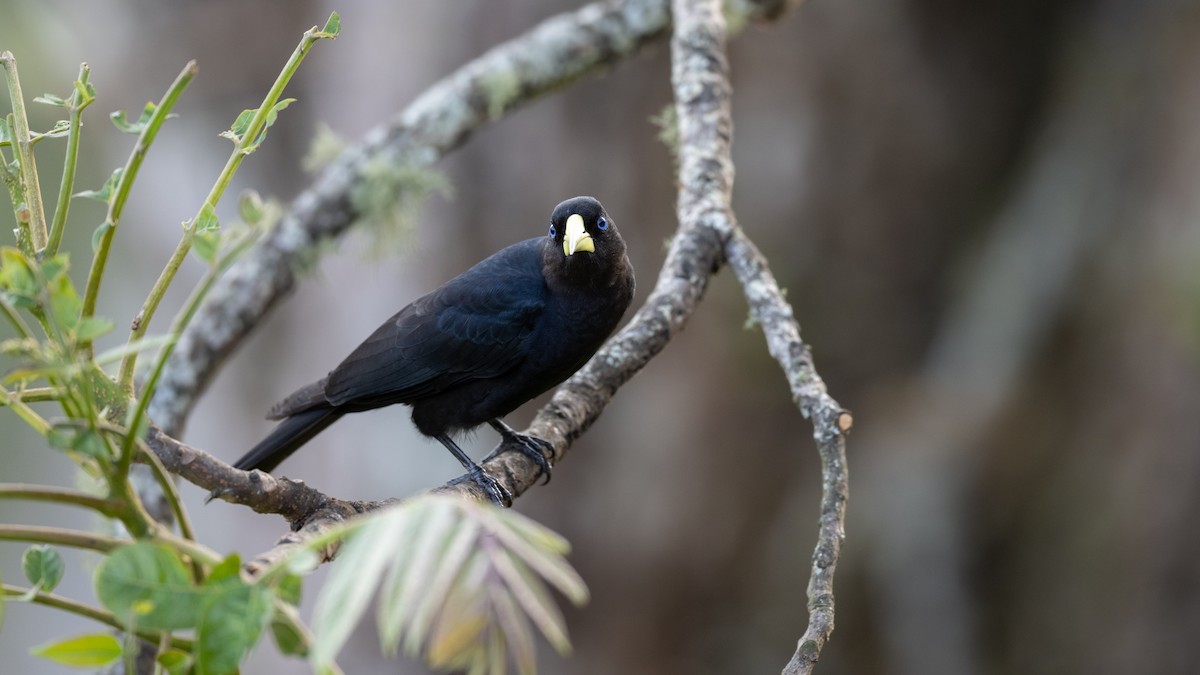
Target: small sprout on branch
x,y
143,121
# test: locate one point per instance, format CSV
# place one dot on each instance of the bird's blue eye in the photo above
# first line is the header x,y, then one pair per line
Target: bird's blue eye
x,y
552,232
602,223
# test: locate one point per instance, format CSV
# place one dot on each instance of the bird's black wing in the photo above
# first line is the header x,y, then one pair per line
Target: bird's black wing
x,y
477,325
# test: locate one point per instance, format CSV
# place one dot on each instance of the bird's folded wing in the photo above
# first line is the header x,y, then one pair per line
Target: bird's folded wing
x,y
476,326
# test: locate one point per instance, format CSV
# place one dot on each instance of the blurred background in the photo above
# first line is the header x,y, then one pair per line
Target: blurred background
x,y
987,217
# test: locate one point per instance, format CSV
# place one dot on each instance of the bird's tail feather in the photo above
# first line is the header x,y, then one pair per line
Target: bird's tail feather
x,y
289,435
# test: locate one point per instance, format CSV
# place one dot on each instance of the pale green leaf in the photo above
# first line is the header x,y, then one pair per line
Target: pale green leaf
x,y
353,581
515,627
120,122
106,191
86,651
406,579
539,548
420,617
332,27
175,661
51,99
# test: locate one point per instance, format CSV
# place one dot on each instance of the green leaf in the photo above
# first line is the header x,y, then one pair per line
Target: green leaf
x,y
238,129
61,128
65,302
232,618
287,636
207,221
43,566
16,273
206,244
75,438
2,601
289,588
86,651
147,586
332,27
92,327
175,661
226,570
51,99
119,121
98,233
86,92
251,207
106,191
272,116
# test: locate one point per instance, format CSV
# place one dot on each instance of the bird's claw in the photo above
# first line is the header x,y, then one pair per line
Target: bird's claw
x,y
536,449
499,495
532,447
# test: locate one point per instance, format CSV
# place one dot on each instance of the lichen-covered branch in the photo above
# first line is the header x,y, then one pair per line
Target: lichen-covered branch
x,y
700,75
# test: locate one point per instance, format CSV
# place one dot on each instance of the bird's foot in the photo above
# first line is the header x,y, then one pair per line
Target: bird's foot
x,y
532,447
499,494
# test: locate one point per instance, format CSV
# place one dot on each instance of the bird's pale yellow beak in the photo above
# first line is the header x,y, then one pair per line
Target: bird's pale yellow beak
x,y
576,237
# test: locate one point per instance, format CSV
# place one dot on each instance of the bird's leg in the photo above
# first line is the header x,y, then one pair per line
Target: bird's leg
x,y
495,490
532,447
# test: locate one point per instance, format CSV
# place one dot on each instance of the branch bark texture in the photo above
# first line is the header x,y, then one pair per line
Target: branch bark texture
x,y
703,104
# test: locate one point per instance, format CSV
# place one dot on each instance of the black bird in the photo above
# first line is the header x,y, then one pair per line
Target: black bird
x,y
508,329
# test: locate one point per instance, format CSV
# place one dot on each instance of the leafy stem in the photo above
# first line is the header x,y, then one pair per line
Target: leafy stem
x,y
245,142
87,611
31,220
121,192
81,98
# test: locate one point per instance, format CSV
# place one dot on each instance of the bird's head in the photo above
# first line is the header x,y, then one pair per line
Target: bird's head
x,y
585,241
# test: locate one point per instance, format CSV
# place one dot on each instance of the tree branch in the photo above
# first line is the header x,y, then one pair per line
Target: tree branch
x,y
700,75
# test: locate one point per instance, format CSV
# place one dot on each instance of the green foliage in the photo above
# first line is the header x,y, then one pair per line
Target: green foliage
x,y
147,586
159,584
232,617
241,126
96,650
143,120
457,584
461,585
43,567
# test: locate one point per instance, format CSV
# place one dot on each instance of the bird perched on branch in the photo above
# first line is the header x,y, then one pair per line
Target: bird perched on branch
x,y
508,329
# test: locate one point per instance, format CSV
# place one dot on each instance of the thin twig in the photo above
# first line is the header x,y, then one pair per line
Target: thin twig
x,y
87,611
